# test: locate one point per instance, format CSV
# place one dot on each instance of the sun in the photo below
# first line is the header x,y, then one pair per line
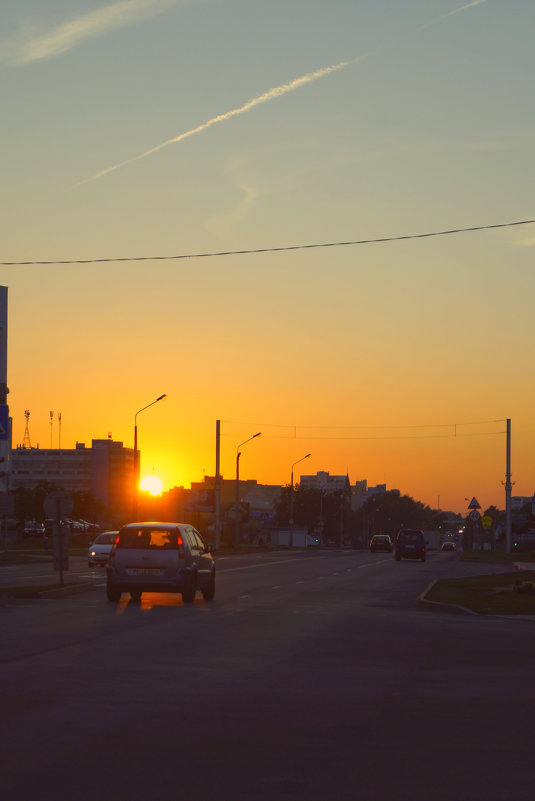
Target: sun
x,y
151,484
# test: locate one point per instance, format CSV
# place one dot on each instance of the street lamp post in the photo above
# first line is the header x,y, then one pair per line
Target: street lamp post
x,y
237,504
136,455
291,541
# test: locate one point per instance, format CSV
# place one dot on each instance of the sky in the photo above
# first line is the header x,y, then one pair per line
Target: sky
x,y
155,128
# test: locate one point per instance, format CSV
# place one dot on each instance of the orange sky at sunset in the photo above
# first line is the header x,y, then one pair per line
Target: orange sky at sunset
x,y
297,123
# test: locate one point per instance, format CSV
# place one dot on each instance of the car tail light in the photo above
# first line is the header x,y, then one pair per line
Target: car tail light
x,y
181,549
114,546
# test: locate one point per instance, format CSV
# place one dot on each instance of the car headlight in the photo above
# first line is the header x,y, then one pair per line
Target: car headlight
x,y
92,553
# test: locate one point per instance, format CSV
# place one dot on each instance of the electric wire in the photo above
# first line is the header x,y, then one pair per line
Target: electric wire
x,y
268,249
347,427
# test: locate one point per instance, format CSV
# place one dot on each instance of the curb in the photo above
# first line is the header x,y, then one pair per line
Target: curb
x,y
438,606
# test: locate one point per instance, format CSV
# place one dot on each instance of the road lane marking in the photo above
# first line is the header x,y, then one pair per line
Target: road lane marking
x,y
264,564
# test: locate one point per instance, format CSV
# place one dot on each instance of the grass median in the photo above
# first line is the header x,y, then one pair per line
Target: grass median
x,y
497,557
497,594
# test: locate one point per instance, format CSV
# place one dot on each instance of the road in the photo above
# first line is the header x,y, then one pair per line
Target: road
x,y
311,676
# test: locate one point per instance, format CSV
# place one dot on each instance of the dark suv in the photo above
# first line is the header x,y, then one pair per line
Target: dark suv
x,y
410,544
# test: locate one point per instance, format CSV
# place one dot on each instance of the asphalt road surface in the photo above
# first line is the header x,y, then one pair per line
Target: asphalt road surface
x,y
311,676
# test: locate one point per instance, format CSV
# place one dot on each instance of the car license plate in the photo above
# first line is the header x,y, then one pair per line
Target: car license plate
x,y
143,571
410,546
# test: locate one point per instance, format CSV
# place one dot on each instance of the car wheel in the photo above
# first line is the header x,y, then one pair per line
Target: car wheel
x,y
135,595
188,593
113,593
208,592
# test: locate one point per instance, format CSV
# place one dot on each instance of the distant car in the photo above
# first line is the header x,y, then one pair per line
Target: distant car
x,y
33,529
160,557
99,550
448,546
77,527
410,544
381,542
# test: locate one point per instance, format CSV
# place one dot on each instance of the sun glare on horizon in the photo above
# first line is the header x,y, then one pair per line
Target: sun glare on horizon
x,y
152,485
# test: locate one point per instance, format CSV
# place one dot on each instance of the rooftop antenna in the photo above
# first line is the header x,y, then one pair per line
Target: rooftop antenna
x,y
51,418
26,442
59,436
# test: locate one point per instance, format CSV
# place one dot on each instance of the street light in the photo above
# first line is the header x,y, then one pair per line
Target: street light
x,y
237,506
291,542
136,455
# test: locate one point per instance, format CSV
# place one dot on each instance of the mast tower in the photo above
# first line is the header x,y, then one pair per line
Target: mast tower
x,y
27,443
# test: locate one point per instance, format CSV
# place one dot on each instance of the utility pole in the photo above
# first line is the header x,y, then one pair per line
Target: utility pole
x,y
508,488
217,492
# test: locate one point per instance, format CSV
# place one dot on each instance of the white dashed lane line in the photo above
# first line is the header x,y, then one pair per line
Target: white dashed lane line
x,y
314,578
371,564
262,564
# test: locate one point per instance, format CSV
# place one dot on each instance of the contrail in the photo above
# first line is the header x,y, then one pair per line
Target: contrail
x,y
271,94
451,13
95,23
463,8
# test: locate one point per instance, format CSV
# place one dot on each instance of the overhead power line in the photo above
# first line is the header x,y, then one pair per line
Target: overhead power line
x,y
294,426
268,250
453,435
299,431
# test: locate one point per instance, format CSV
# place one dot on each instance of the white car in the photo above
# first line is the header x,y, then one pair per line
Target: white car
x,y
100,549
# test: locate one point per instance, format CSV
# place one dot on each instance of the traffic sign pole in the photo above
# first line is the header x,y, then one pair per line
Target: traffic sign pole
x,y
58,505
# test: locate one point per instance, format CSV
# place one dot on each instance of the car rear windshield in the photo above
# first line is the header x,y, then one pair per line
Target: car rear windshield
x,y
411,536
143,538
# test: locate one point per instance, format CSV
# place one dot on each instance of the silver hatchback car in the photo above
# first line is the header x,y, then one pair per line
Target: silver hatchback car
x,y
160,557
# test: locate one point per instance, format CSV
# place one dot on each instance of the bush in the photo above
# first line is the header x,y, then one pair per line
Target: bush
x,y
527,587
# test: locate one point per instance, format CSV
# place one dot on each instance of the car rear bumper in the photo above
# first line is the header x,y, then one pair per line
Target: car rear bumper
x,y
181,581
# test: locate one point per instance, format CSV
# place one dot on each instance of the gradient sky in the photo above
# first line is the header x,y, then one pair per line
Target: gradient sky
x,y
162,127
